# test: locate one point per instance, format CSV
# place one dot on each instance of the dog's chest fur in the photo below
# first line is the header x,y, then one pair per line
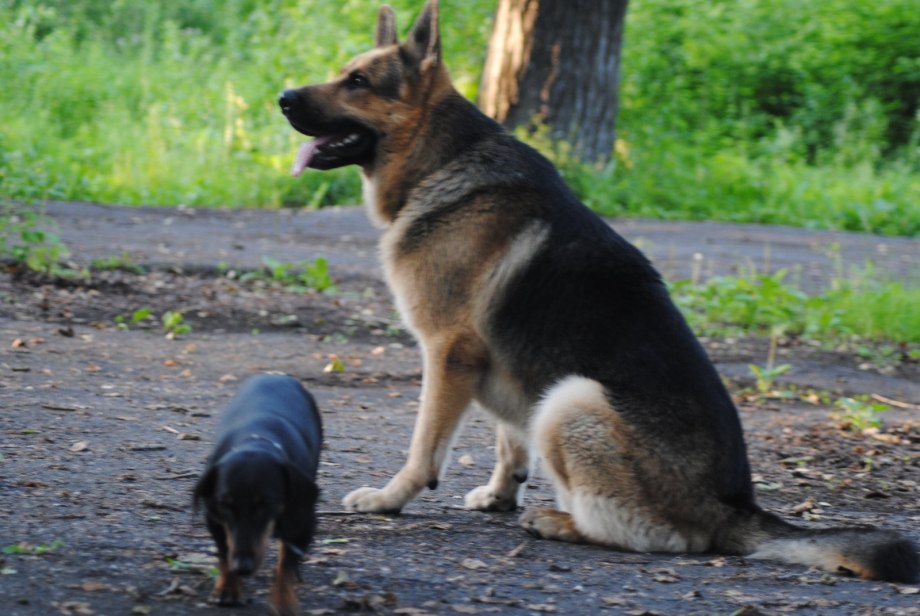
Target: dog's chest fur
x,y
447,272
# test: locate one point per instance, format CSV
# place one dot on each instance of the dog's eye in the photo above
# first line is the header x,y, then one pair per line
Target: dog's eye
x,y
357,80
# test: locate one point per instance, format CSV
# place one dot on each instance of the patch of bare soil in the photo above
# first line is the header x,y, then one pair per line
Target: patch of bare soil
x,y
103,431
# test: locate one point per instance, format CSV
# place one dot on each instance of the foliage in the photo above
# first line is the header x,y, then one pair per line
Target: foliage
x,y
122,262
860,305
765,375
137,317
298,277
770,111
38,550
25,240
174,324
170,103
860,413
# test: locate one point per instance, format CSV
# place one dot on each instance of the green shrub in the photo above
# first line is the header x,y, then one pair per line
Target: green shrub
x,y
773,111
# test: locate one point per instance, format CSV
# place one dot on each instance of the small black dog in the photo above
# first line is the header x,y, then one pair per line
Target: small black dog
x,y
260,482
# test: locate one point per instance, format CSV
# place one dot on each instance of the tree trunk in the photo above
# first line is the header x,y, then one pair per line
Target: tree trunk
x,y
557,62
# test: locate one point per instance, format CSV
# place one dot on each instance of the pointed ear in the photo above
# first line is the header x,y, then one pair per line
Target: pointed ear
x,y
386,27
424,41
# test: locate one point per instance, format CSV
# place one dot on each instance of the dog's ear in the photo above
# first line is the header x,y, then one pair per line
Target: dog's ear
x,y
298,520
204,489
386,27
424,41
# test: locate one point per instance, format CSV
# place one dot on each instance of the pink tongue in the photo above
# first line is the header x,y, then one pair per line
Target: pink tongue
x,y
305,155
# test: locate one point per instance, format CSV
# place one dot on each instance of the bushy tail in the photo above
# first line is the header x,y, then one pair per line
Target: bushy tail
x,y
867,552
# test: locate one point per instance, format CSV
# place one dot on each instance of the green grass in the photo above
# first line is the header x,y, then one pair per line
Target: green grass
x,y
858,306
760,110
175,103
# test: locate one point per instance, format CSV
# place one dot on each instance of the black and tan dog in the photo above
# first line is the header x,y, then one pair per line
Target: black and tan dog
x,y
525,301
260,482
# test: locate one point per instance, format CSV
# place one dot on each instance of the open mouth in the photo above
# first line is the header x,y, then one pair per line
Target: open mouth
x,y
348,144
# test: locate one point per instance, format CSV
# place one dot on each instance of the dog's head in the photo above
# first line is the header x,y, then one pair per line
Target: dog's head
x,y
254,496
371,109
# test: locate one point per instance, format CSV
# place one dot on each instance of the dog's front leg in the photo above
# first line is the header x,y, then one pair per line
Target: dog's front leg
x,y
447,388
512,464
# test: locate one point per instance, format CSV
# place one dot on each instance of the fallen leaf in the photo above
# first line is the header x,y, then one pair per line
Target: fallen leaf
x,y
613,601
473,563
517,551
32,483
341,578
335,365
891,439
18,343
807,505
70,608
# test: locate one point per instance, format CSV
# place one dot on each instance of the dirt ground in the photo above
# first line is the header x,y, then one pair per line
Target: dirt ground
x,y
103,431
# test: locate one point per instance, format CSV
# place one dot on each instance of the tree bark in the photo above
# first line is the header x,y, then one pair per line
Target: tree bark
x,y
557,63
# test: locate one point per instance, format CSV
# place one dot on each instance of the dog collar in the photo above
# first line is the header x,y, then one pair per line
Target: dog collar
x,y
261,437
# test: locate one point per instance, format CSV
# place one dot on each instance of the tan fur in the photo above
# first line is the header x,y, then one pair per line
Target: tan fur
x,y
283,595
590,454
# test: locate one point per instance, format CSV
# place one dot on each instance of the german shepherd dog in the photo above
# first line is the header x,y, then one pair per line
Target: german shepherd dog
x,y
525,301
260,481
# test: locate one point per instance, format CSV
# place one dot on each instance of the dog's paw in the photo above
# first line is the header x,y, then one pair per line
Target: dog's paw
x,y
550,524
371,500
484,498
227,593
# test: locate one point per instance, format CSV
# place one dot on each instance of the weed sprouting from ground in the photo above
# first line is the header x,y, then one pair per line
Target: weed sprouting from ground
x,y
857,306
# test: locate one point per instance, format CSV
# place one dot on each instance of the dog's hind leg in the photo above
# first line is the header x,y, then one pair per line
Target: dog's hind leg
x,y
592,457
512,465
449,377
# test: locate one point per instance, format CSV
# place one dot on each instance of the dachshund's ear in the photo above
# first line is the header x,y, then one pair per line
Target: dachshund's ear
x,y
204,489
299,518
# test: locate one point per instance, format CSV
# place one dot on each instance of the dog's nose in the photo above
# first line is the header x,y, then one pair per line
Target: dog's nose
x,y
287,101
244,565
